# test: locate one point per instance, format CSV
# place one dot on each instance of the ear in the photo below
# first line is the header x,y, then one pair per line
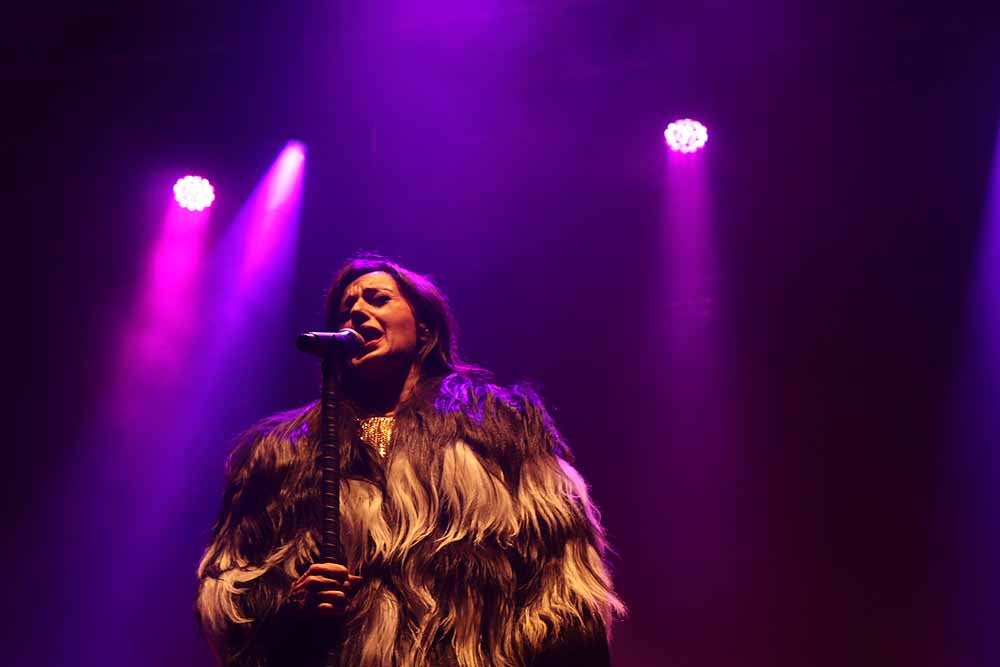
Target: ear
x,y
423,333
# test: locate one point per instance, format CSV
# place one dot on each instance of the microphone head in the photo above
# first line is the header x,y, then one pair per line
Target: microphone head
x,y
345,342
304,342
352,340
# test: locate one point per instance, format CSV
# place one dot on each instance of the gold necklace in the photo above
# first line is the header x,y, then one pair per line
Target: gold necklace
x,y
377,432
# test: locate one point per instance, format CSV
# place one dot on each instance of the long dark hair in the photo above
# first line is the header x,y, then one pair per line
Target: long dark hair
x,y
280,451
437,358
439,354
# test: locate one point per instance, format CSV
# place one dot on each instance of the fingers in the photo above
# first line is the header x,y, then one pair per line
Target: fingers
x,y
331,597
323,601
325,588
317,583
328,570
330,603
321,574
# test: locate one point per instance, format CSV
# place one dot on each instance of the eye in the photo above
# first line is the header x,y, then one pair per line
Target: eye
x,y
381,299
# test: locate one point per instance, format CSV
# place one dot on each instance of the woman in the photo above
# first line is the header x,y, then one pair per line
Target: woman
x,y
469,537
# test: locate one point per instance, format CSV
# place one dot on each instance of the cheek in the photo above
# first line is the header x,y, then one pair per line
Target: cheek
x,y
402,328
408,334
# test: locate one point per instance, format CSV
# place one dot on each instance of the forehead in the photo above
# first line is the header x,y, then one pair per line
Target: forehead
x,y
373,280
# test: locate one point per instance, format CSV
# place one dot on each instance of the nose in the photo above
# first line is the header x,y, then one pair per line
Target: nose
x,y
358,316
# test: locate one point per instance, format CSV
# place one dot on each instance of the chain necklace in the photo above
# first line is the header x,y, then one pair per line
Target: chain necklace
x,y
377,432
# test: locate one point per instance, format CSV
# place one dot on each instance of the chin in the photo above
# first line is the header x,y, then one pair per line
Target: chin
x,y
373,363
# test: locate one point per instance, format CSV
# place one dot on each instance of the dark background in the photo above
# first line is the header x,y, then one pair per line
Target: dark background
x,y
800,496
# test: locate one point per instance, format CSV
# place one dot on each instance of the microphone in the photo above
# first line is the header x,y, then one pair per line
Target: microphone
x,y
346,343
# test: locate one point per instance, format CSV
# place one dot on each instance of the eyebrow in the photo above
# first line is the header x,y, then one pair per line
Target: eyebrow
x,y
367,290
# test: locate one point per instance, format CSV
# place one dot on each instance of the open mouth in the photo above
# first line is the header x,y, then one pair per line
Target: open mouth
x,y
371,336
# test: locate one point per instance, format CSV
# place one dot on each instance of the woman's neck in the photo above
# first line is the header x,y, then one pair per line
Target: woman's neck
x,y
383,396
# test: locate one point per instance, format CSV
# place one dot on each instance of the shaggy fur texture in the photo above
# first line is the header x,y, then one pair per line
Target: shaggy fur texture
x,y
478,541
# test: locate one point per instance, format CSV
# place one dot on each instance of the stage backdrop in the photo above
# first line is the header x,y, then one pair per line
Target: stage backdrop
x,y
773,358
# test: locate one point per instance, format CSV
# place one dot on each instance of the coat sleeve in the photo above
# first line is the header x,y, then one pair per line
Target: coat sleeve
x,y
251,633
253,555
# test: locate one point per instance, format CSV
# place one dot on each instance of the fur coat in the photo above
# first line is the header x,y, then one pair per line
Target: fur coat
x,y
476,537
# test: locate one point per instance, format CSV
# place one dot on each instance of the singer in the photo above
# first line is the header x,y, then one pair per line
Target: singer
x,y
470,538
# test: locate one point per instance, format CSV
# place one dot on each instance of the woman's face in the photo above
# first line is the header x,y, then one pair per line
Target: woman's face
x,y
373,306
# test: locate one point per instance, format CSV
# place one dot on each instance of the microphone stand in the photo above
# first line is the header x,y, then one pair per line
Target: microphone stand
x,y
331,549
330,347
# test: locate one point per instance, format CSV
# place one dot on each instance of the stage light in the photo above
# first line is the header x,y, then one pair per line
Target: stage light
x,y
194,193
686,135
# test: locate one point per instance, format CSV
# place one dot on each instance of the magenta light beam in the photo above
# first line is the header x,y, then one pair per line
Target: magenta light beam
x,y
156,338
700,462
198,346
138,439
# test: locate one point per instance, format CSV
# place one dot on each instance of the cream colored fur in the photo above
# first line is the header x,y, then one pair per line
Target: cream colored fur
x,y
414,531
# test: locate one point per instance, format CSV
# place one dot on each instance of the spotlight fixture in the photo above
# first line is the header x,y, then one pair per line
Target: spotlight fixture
x,y
686,135
194,193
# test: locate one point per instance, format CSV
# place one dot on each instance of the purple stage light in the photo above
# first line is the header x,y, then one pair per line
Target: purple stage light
x,y
686,135
194,193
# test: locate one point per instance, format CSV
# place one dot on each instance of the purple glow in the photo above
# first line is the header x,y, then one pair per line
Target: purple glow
x,y
194,193
686,135
285,174
270,217
973,525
